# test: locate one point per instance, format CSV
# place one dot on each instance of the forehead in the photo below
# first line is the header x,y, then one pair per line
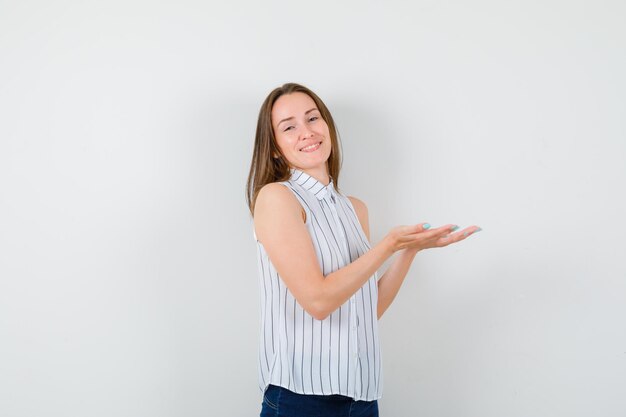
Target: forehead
x,y
291,105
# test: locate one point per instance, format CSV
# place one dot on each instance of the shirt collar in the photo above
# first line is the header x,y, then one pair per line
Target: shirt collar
x,y
313,185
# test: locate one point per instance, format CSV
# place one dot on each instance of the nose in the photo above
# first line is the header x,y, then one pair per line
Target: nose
x,y
306,132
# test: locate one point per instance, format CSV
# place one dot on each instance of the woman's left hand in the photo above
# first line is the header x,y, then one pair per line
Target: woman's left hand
x,y
456,236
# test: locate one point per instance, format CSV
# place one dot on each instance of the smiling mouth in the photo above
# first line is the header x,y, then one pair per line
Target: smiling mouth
x,y
311,148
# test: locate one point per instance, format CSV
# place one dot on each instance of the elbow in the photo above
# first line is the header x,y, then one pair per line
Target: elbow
x,y
318,311
318,308
319,304
321,315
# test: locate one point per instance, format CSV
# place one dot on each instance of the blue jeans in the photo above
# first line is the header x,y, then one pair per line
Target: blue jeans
x,y
279,401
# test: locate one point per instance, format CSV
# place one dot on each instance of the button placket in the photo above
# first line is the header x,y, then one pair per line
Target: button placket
x,y
332,204
354,320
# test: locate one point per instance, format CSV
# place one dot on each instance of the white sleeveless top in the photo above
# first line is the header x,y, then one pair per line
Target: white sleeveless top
x,y
337,355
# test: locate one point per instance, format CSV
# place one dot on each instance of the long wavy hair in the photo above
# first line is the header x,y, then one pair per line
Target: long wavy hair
x,y
265,168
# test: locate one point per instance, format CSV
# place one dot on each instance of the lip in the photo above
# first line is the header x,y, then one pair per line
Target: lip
x,y
310,144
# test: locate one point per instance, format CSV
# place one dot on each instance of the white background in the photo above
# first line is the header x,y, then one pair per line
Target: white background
x,y
128,281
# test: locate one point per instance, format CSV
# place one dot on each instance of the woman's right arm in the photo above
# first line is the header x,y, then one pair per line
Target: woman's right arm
x,y
279,227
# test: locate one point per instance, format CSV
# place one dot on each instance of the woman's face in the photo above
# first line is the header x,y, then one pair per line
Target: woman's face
x,y
301,133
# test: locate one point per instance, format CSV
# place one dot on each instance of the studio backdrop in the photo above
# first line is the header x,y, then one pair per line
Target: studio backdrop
x,y
128,275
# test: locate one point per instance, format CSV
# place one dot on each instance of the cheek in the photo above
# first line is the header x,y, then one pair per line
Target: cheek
x,y
285,143
326,131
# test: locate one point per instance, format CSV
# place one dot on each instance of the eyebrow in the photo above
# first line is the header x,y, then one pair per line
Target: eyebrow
x,y
289,118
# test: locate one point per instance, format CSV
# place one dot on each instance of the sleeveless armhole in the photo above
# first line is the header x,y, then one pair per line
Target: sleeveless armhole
x,y
356,215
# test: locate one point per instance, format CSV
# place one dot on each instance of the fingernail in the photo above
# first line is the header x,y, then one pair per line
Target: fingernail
x,y
475,231
426,226
453,228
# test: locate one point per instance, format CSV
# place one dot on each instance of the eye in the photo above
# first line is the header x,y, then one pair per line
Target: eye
x,y
288,128
313,118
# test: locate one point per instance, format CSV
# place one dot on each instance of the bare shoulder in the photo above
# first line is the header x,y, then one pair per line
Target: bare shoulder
x,y
359,206
274,196
273,191
362,214
275,199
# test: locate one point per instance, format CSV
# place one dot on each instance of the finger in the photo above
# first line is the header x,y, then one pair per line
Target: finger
x,y
429,238
470,231
416,228
449,228
461,235
441,231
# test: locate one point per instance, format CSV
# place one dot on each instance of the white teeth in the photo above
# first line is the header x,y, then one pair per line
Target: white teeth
x,y
310,147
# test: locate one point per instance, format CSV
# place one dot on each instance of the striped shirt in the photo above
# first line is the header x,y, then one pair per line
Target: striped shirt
x,y
337,355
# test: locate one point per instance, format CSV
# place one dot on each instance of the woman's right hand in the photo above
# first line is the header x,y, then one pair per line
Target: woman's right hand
x,y
421,236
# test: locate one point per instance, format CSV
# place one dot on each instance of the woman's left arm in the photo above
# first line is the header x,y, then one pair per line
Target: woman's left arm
x,y
389,284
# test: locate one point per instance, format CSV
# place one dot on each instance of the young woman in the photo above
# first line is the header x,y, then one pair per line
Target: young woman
x,y
321,296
